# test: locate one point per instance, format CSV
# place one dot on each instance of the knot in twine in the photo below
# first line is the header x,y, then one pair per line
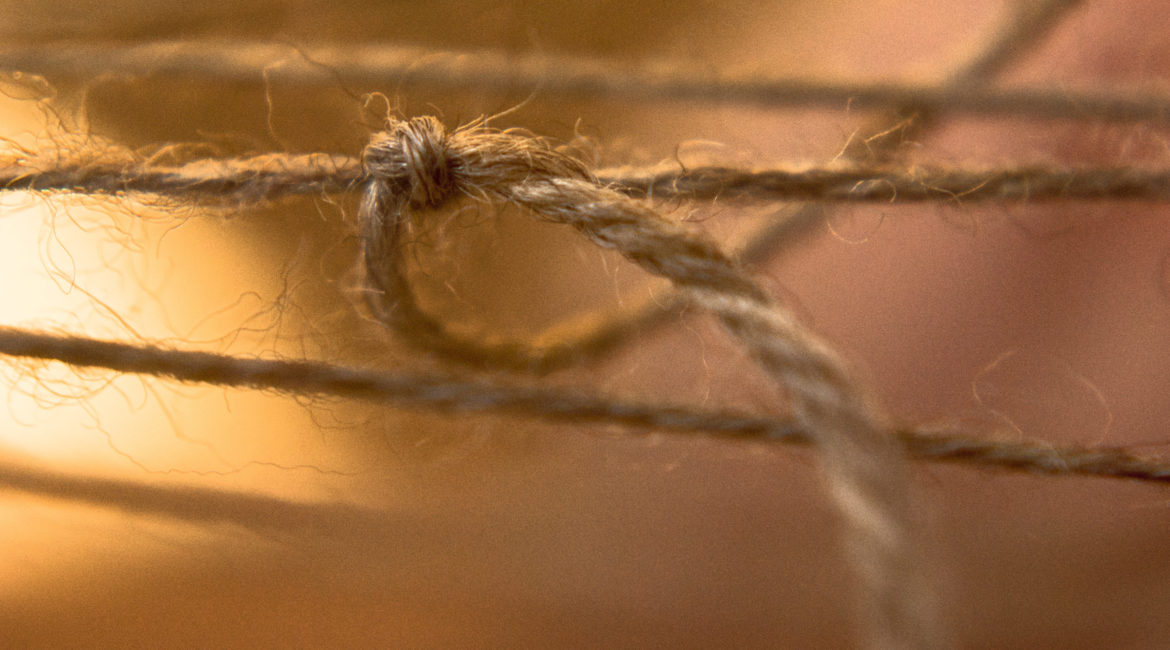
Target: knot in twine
x,y
422,165
412,158
416,165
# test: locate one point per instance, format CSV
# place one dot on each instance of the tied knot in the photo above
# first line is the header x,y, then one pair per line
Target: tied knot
x,y
412,156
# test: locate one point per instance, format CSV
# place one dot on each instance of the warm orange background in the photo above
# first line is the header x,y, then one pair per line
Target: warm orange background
x,y
234,518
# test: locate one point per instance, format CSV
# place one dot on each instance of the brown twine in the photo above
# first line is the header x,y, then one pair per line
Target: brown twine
x,y
415,165
447,394
571,76
272,176
884,183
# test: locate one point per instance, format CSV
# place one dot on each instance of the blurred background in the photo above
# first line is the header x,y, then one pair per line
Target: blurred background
x,y
141,512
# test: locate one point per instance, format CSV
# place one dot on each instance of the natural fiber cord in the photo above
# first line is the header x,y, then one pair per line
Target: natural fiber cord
x,y
416,168
455,395
271,176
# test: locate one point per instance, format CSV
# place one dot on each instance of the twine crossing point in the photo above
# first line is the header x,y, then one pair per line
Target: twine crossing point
x,y
416,166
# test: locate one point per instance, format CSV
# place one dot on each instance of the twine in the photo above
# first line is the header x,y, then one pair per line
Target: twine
x,y
415,165
440,393
679,81
272,176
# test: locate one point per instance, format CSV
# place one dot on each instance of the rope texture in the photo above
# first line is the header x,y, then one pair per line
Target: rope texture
x,y
453,395
235,181
416,165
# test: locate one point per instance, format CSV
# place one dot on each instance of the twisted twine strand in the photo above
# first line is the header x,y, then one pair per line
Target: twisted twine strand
x,y
569,76
887,184
452,395
273,176
415,165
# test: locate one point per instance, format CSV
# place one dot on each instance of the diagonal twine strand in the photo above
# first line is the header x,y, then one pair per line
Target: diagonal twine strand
x,y
1023,30
434,392
447,394
594,335
416,165
878,140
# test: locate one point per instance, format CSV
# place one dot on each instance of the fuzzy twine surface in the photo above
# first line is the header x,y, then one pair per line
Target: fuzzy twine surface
x,y
275,175
416,165
443,393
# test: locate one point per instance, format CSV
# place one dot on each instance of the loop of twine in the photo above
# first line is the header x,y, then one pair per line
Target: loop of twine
x,y
415,164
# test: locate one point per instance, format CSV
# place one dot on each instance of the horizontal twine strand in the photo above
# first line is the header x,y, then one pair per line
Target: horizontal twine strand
x,y
564,75
272,176
449,395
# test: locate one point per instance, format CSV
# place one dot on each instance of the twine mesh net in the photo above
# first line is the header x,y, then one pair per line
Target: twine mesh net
x,y
232,420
